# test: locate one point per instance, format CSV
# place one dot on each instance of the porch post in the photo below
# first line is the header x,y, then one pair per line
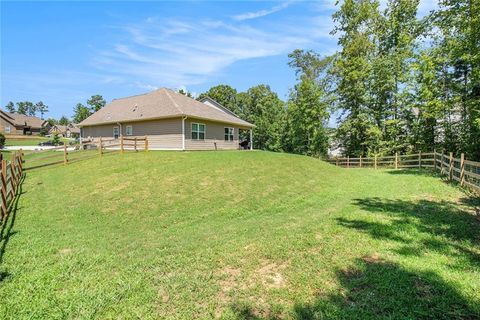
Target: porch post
x,y
251,139
183,133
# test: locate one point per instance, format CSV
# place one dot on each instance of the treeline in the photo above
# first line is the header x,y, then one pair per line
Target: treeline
x,y
27,108
404,84
80,111
397,84
297,126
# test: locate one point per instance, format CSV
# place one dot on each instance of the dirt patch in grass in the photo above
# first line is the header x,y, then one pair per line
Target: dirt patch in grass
x,y
270,274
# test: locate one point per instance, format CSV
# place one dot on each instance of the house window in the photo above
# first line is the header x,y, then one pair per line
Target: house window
x,y
8,129
198,131
116,132
228,134
129,130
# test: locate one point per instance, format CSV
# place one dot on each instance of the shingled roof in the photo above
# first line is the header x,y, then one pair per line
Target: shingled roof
x,y
161,103
18,119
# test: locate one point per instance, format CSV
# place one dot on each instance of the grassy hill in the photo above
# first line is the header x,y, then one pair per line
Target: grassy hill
x,y
237,235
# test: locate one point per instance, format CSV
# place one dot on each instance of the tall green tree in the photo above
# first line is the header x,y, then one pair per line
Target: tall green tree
x,y
225,95
80,113
355,24
307,112
10,107
41,107
307,118
64,121
26,108
262,107
457,40
96,102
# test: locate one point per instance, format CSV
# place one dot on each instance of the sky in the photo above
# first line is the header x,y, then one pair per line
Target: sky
x,y
62,53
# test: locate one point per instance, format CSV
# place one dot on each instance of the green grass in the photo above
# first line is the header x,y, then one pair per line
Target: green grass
x,y
237,235
28,140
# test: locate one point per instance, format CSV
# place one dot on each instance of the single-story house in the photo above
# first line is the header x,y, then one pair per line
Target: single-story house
x,y
169,120
15,123
70,131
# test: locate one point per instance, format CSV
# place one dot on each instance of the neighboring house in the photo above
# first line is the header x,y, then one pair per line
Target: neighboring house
x,y
169,120
70,131
15,123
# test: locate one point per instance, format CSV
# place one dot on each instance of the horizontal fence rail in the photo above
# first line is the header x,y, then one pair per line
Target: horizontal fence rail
x,y
86,149
461,170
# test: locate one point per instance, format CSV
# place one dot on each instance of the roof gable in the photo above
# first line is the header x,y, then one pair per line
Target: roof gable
x,y
23,120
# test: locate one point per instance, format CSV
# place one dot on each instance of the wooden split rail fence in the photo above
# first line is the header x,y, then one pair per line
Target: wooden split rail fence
x,y
464,171
84,150
10,178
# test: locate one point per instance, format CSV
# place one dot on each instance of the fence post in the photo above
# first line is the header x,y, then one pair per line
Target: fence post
x,y
121,143
336,161
420,160
396,160
360,161
135,144
100,146
4,188
146,144
462,169
65,160
450,166
375,161
434,160
13,177
348,162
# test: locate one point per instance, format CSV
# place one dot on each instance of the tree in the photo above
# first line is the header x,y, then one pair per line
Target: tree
x,y
308,64
2,140
26,108
63,121
185,93
41,107
225,95
81,113
52,121
355,22
56,139
10,107
307,117
96,102
262,107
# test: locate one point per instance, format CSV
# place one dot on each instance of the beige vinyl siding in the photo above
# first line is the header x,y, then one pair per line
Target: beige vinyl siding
x,y
214,134
13,129
161,133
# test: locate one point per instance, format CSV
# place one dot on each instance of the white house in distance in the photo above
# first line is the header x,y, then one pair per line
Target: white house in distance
x,y
169,120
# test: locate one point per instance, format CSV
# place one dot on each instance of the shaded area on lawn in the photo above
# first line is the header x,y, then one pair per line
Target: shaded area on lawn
x,y
7,231
445,227
375,288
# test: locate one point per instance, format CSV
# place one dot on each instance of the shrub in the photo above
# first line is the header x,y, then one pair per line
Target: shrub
x,y
43,131
2,140
56,139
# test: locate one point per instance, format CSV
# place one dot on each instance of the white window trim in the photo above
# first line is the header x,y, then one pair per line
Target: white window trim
x,y
131,130
233,134
8,129
204,131
118,131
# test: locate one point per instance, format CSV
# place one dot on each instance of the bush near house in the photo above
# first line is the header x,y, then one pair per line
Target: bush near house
x,y
238,235
2,140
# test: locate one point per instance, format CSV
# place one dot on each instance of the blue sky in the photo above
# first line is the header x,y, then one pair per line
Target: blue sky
x,y
62,53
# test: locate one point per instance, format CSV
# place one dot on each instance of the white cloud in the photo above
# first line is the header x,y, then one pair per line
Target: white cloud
x,y
261,13
169,52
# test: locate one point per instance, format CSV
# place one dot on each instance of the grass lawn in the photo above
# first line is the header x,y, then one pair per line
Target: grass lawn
x,y
27,140
237,235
